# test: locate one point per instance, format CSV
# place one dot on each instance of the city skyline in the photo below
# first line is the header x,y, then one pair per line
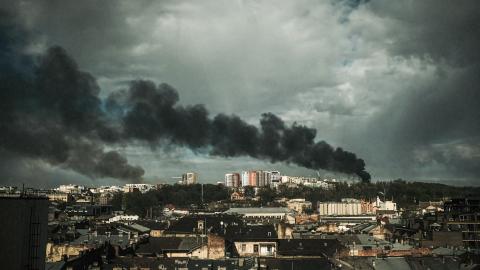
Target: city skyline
x,y
394,83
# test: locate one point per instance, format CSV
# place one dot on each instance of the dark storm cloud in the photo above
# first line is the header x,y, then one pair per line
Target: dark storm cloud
x,y
54,115
440,31
57,118
405,71
423,125
93,31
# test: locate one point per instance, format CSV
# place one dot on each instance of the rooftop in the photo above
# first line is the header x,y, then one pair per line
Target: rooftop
x,y
158,245
258,210
212,224
308,247
250,232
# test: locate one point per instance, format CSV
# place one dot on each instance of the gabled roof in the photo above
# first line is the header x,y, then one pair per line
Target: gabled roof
x,y
251,232
304,263
180,263
116,240
159,245
152,263
367,240
369,228
139,228
152,224
54,265
308,247
212,224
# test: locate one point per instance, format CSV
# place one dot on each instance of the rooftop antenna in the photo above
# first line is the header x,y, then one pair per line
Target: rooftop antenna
x,y
202,194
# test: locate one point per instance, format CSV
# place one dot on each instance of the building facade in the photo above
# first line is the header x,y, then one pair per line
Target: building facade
x,y
23,220
347,207
190,178
232,180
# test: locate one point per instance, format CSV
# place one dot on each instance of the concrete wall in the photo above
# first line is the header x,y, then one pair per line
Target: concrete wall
x,y
247,248
23,223
443,239
216,247
340,208
55,253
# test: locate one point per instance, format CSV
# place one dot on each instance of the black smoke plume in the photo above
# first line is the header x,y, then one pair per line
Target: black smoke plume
x,y
151,113
52,112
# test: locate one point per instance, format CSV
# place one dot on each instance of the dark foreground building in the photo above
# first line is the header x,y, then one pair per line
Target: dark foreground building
x,y
23,223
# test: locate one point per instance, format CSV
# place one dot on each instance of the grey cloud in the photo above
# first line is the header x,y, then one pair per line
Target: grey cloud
x,y
411,66
216,53
332,108
438,30
453,159
59,104
17,170
433,119
51,112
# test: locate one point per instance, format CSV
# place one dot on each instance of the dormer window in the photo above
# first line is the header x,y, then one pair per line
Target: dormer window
x,y
200,225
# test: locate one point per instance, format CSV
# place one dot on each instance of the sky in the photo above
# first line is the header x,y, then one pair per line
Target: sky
x,y
395,82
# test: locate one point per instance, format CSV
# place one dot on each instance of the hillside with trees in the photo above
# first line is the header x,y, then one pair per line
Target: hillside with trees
x,y
404,193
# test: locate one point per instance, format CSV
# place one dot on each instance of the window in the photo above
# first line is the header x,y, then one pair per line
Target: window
x,y
244,247
255,248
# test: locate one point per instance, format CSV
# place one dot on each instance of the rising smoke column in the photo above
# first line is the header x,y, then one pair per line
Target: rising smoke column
x,y
51,111
151,113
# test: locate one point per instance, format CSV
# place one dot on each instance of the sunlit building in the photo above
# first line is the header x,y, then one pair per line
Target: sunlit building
x,y
232,180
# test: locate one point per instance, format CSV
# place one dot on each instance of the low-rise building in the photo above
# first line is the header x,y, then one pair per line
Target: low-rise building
x,y
189,178
87,210
143,188
299,205
105,198
72,189
261,213
237,196
252,241
347,207
174,247
59,196
119,218
156,228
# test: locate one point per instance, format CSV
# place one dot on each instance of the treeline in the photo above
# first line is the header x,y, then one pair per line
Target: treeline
x,y
404,193
178,195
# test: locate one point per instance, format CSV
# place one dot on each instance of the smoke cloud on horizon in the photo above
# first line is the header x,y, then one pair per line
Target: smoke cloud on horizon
x,y
52,112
